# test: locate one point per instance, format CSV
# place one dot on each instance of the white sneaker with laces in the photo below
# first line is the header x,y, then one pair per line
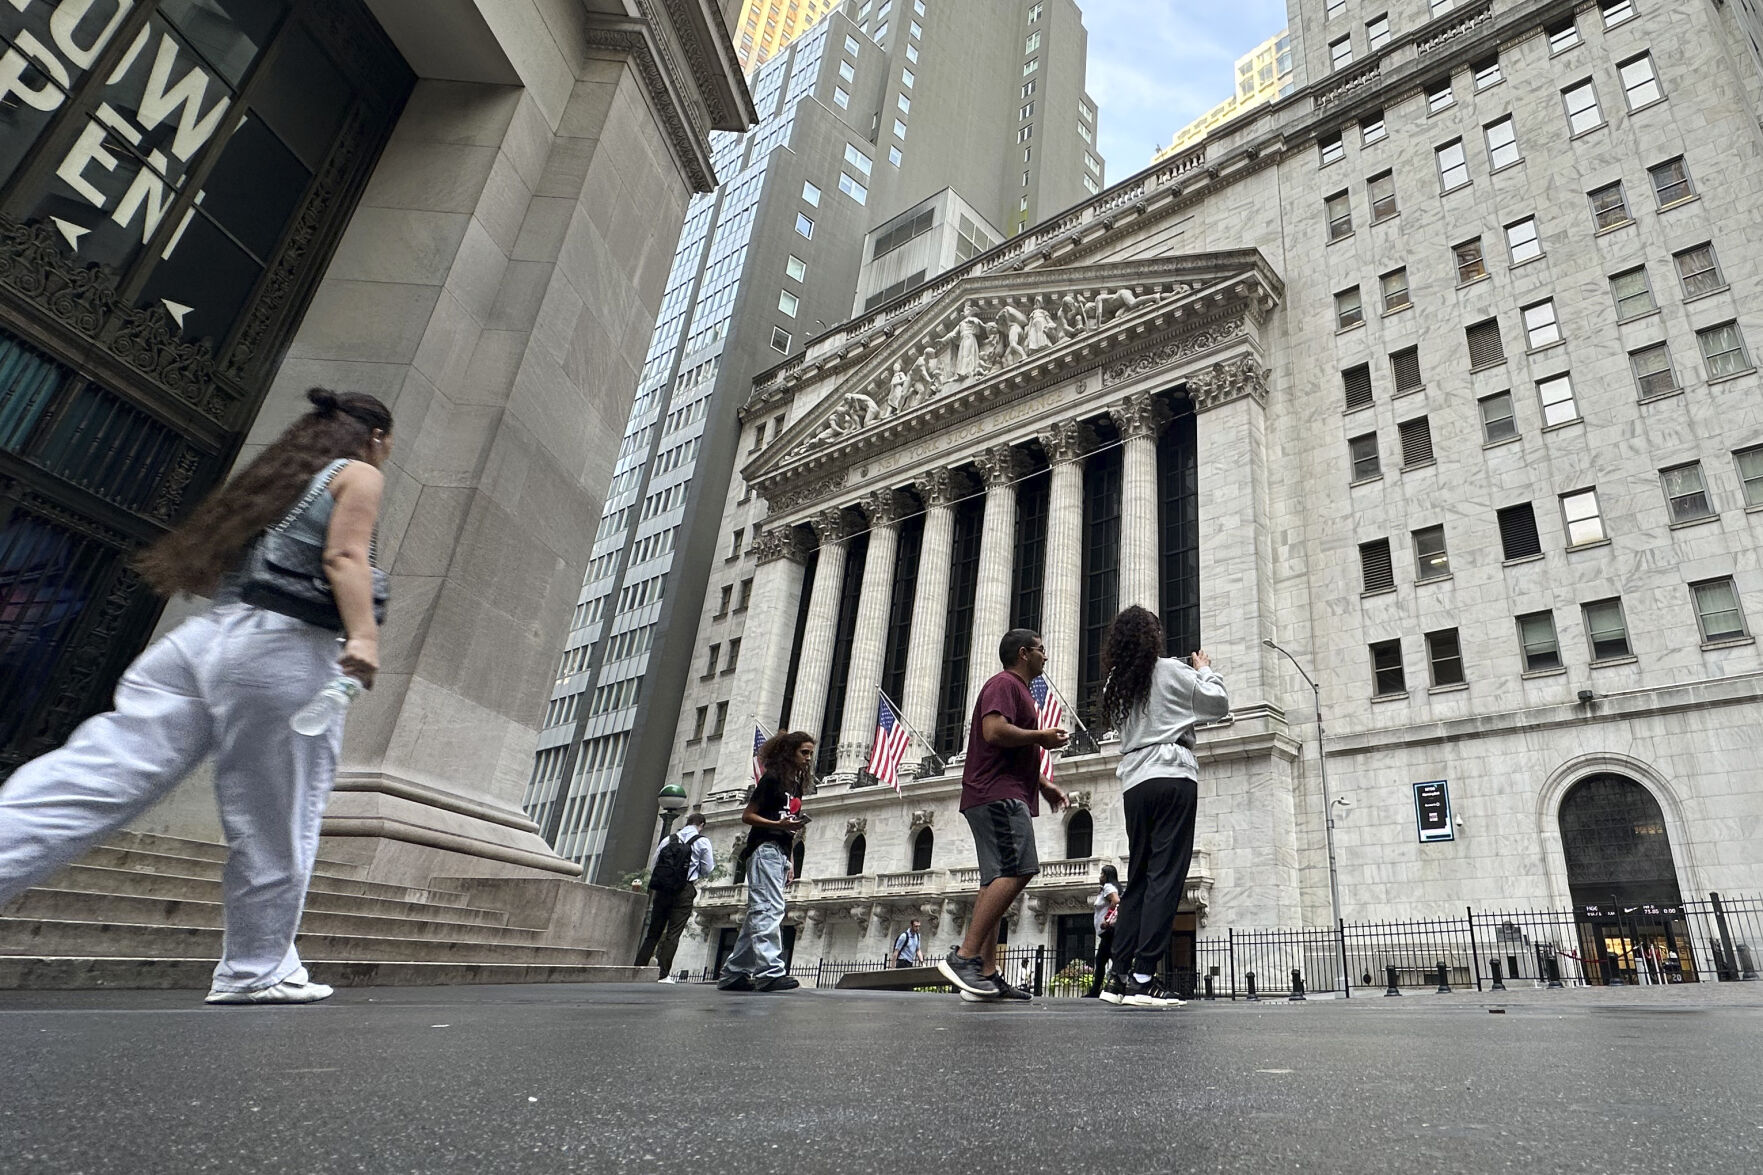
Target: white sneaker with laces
x,y
288,991
667,979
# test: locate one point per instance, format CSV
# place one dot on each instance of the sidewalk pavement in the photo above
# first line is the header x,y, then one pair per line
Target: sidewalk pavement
x,y
657,1078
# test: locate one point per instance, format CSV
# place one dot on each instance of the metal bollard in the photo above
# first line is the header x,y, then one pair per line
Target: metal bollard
x,y
1390,975
1251,997
1297,985
1209,993
1499,984
1554,968
1444,979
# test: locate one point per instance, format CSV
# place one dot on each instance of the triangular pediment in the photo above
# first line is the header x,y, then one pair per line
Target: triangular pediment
x,y
908,375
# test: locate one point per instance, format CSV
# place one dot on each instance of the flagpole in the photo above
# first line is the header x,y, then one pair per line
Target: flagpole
x,y
911,729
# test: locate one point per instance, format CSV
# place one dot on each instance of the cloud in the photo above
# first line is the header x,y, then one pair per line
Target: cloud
x,y
1155,65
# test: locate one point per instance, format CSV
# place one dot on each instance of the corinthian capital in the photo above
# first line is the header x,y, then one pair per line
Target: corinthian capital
x,y
831,525
1224,382
938,487
1066,441
1000,465
882,508
782,542
1137,416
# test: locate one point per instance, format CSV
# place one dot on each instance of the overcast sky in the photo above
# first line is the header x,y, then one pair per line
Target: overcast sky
x,y
1155,65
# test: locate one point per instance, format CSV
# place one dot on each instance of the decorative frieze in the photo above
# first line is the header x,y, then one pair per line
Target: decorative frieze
x,y
1174,352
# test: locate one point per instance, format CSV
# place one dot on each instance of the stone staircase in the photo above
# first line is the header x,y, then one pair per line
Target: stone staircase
x,y
145,912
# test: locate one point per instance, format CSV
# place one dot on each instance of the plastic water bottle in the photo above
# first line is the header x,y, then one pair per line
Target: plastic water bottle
x,y
316,716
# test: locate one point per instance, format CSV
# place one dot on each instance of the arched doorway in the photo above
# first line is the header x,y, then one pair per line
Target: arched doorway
x,y
797,857
1623,881
922,844
1080,834
854,856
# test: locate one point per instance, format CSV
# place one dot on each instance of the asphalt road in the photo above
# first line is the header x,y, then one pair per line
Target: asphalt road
x,y
687,1079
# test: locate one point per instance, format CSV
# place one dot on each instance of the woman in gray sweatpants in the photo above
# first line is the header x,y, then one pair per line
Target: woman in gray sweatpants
x,y
225,684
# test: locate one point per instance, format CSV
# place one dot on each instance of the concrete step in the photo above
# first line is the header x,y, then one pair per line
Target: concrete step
x,y
137,861
35,936
58,905
203,850
50,973
327,894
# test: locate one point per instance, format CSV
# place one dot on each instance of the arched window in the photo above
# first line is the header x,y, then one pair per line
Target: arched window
x,y
921,849
1618,853
796,857
1080,836
854,856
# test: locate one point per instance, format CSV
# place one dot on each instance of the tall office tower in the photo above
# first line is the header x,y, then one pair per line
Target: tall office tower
x,y
887,123
1264,74
1438,376
765,27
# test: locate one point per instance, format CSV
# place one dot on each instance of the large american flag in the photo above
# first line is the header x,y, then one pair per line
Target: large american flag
x,y
758,741
1049,713
889,747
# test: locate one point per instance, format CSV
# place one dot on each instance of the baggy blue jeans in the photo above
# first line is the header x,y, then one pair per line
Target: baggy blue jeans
x,y
759,951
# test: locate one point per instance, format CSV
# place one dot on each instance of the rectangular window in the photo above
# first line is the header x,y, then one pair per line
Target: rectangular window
x,y
858,159
1026,111
1453,165
1579,511
1698,270
1444,655
804,226
1606,629
1717,610
1633,294
1340,53
1556,394
1330,149
1357,383
1615,11
1382,189
1348,310
1395,290
1034,12
1031,66
787,302
1564,35
698,721
905,103
780,340
1375,571
1363,451
795,268
912,54
734,655
1339,210
810,193
1518,532
1487,73
1485,347
1405,370
841,98
1430,558
916,29
899,130
894,156
1541,328
853,189
1522,242
1371,128
847,71
1536,637
728,595
1439,95
1502,139
1336,7
1686,493
1032,43
1723,350
1023,134
881,31
1386,669
1652,370
1671,181
1609,206
1581,101
851,45
1377,32
721,725
1497,421
710,661
1028,88
1749,463
1416,442
1640,85
1470,265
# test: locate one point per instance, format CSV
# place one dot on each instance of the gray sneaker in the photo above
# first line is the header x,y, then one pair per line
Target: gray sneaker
x,y
288,991
966,974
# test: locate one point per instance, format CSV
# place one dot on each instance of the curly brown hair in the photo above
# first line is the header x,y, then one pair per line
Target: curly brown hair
x,y
777,756
1129,658
196,554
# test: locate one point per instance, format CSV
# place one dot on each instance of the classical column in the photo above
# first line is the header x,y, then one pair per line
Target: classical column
x,y
930,607
869,642
1000,466
1062,588
766,644
814,665
1138,420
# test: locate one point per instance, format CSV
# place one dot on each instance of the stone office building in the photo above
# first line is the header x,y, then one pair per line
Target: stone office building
x,y
1437,374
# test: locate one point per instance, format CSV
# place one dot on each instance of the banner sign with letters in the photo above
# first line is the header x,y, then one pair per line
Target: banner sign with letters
x,y
1432,811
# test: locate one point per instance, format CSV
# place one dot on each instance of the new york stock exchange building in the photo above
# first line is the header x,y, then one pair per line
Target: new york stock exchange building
x,y
1436,376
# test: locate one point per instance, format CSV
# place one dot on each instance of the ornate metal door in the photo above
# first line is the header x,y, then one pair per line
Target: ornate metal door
x,y
174,175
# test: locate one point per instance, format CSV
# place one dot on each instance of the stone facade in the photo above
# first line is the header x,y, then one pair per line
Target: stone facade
x,y
1303,280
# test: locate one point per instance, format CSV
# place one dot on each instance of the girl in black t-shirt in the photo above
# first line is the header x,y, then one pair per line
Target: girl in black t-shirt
x,y
773,814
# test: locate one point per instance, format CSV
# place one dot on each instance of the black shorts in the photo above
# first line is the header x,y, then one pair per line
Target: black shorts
x,y
1004,840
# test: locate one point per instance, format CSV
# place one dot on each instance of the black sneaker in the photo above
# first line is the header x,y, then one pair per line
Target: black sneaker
x,y
969,997
966,974
1150,994
735,981
779,983
1115,989
1008,991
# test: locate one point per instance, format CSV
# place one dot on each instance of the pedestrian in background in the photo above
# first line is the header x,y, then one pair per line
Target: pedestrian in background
x,y
1155,702
907,949
227,683
679,862
774,813
1107,904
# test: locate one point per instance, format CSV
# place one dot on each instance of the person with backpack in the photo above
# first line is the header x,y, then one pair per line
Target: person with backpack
x,y
907,947
680,861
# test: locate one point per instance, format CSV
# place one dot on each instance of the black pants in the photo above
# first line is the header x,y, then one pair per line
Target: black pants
x,y
1104,952
1160,838
668,912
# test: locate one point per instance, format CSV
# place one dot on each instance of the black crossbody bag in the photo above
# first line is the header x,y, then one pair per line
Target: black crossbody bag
x,y
285,573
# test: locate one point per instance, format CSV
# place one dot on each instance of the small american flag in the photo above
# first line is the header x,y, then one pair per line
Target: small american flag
x,y
890,745
758,741
1049,713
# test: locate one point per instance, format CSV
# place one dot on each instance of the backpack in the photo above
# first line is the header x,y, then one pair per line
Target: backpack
x,y
672,866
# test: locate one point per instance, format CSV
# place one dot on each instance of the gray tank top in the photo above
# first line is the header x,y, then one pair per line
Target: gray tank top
x,y
312,525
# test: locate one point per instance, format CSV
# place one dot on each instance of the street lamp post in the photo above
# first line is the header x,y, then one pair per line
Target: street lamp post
x,y
1334,887
672,801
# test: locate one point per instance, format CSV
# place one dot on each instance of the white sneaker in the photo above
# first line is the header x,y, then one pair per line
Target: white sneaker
x,y
287,991
667,979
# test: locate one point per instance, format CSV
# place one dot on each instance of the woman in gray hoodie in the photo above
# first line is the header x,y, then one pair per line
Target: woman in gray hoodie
x,y
1155,702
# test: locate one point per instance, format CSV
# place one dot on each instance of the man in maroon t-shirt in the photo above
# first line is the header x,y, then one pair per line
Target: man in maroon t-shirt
x,y
1001,786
